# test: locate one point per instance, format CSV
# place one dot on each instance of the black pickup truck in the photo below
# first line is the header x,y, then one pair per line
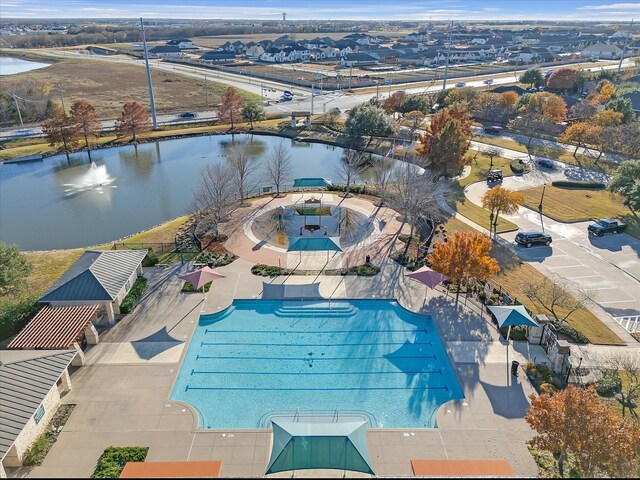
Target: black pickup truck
x,y
604,226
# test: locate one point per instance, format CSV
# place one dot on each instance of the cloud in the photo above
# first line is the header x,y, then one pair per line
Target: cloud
x,y
612,6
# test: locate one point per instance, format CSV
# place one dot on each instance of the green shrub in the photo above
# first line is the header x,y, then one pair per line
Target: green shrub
x,y
517,166
151,259
38,449
134,295
263,270
113,460
357,189
367,270
188,287
217,259
572,333
14,314
578,184
540,375
609,383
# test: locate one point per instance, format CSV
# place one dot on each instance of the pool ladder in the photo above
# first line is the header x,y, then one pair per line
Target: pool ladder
x,y
335,416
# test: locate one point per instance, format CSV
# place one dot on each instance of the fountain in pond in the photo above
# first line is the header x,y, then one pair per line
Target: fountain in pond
x,y
96,178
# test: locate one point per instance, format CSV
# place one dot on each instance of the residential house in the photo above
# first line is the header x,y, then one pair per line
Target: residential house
x,y
524,55
420,36
182,44
254,51
347,48
98,277
602,50
166,51
358,59
218,57
359,38
634,97
238,47
330,52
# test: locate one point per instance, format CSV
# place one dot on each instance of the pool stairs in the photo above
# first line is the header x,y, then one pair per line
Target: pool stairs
x,y
319,416
316,309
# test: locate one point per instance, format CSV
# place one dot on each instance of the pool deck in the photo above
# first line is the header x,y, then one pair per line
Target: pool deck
x,y
122,393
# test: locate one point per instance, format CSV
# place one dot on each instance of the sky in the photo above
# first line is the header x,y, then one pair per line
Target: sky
x,y
425,10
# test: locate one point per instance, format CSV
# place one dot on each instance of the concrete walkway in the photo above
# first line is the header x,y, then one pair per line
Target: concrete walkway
x,y
123,397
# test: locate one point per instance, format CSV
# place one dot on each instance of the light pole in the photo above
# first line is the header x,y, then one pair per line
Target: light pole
x,y
312,95
206,92
149,83
377,91
61,90
540,206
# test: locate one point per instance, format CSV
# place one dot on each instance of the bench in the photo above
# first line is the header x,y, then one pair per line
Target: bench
x,y
162,265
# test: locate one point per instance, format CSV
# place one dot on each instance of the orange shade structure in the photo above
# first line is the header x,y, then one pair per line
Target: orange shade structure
x,y
462,468
208,469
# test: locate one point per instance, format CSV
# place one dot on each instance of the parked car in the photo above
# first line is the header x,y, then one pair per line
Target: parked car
x,y
488,81
606,225
532,238
494,175
493,130
285,98
460,84
546,163
188,115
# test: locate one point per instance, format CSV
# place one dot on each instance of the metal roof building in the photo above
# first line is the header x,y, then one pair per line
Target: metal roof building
x,y
28,380
98,276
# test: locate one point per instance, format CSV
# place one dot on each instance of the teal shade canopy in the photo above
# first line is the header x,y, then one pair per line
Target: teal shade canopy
x,y
310,445
314,244
512,315
311,183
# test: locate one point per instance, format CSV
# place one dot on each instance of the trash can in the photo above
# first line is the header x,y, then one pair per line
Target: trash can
x,y
367,260
210,264
514,368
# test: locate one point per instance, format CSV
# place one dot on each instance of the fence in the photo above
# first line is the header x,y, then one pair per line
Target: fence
x,y
158,248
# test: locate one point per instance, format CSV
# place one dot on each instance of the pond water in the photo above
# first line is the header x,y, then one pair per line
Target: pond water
x,y
76,202
11,65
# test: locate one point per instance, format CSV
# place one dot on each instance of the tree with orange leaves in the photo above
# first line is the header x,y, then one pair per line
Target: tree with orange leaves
x,y
501,200
607,118
548,104
59,128
576,422
134,121
83,115
446,140
563,79
464,258
580,134
509,98
604,91
230,108
394,103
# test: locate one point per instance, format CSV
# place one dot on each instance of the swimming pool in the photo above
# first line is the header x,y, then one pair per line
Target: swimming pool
x,y
371,358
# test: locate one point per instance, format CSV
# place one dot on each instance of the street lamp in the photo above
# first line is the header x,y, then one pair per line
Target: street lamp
x,y
540,206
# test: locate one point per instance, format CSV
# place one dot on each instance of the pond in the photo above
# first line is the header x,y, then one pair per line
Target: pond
x,y
76,202
11,65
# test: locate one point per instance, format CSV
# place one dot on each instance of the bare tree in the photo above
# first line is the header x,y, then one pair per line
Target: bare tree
x,y
627,365
350,167
554,295
414,194
381,169
213,200
244,169
279,165
491,152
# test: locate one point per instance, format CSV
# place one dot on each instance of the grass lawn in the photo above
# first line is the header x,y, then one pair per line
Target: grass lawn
x,y
456,199
515,274
549,152
576,204
108,85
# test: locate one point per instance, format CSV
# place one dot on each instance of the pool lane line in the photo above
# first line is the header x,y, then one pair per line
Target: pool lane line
x,y
322,389
206,331
205,372
297,359
214,344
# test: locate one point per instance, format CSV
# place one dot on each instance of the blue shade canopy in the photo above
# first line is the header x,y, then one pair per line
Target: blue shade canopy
x,y
307,445
512,315
314,244
311,183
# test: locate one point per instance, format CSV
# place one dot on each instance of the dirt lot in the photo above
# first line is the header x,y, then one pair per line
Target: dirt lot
x,y
108,85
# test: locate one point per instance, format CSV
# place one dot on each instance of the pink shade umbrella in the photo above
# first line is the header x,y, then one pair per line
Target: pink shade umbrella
x,y
427,276
201,277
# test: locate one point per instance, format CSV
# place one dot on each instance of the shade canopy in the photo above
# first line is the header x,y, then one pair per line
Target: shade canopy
x,y
512,315
314,244
201,277
427,276
307,445
311,183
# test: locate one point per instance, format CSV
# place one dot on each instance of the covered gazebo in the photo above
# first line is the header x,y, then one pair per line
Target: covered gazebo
x,y
314,244
311,182
313,445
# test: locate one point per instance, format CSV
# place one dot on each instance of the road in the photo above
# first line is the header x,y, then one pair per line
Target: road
x,y
606,269
302,96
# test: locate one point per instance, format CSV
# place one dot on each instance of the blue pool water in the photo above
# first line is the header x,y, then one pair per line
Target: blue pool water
x,y
264,356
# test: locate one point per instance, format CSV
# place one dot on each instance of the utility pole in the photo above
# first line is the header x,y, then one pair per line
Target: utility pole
x,y
446,65
624,50
61,90
146,62
206,92
377,91
312,95
15,99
